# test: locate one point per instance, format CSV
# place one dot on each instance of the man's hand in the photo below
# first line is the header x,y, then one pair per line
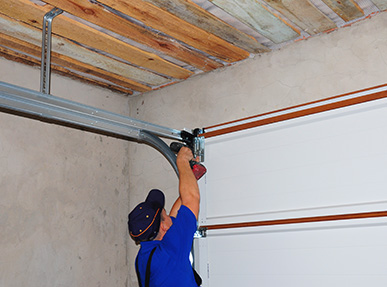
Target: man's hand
x,y
185,154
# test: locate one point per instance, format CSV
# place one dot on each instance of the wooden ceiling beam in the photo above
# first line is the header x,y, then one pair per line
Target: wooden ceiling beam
x,y
62,61
257,16
22,58
31,13
71,50
381,4
348,10
159,19
58,59
97,15
303,14
196,15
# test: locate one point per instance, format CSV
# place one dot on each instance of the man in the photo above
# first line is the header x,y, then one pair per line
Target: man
x,y
166,240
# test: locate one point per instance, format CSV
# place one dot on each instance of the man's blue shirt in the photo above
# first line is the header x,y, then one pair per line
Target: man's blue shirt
x,y
170,263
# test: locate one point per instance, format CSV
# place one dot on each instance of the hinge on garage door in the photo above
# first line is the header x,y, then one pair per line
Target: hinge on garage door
x,y
201,232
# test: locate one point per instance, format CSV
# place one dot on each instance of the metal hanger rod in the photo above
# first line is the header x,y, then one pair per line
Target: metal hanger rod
x,y
45,70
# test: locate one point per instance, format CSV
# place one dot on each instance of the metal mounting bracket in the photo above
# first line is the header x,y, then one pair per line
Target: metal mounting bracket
x,y
45,70
195,142
199,147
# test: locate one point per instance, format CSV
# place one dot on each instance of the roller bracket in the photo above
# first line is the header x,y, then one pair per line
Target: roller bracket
x,y
195,142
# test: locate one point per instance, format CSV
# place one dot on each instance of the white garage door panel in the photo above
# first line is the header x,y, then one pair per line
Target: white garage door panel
x,y
330,159
339,255
330,163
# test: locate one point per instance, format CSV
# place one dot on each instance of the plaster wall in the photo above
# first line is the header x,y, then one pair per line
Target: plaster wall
x,y
342,61
63,194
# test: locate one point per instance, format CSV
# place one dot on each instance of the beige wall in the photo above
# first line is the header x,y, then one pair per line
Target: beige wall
x,y
63,194
350,59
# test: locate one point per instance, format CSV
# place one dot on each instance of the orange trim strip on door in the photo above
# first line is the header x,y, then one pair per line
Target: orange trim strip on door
x,y
296,114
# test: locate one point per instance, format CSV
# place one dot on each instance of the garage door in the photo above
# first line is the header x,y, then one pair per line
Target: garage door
x,y
298,197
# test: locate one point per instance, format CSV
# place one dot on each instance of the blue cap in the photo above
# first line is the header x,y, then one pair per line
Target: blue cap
x,y
144,220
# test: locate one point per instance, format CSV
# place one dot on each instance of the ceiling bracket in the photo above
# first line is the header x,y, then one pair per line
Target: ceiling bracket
x,y
45,70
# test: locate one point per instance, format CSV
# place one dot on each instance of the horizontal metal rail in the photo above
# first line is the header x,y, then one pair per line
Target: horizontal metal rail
x,y
48,108
337,217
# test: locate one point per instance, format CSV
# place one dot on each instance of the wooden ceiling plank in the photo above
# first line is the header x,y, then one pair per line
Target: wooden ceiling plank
x,y
347,10
197,16
31,13
60,60
10,54
97,15
303,14
67,48
28,60
256,16
56,58
179,29
381,4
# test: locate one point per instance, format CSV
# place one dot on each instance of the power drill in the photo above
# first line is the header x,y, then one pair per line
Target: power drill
x,y
197,168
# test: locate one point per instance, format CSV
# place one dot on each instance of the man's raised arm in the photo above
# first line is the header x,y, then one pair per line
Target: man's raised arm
x,y
188,185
